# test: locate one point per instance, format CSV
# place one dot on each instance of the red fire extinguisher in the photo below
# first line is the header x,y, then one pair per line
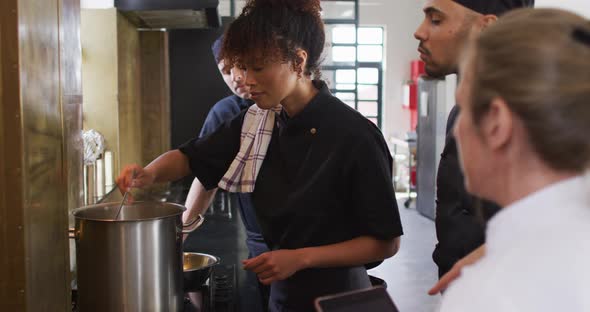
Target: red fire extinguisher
x,y
411,88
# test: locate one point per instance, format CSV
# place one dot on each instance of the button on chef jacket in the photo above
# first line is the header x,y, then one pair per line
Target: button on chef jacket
x,y
326,177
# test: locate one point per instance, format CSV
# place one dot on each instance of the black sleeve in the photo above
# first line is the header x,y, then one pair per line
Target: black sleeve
x,y
460,217
210,156
451,120
374,197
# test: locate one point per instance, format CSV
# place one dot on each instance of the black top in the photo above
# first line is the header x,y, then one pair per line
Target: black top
x,y
460,225
223,111
326,177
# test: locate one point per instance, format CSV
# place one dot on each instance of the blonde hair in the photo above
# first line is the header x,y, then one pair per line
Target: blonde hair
x,y
533,60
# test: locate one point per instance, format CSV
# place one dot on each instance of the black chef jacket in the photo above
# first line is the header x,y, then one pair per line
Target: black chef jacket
x,y
460,225
326,177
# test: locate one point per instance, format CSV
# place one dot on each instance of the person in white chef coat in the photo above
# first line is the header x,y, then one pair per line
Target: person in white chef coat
x,y
523,136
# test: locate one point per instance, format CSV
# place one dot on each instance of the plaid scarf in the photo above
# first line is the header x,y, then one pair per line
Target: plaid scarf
x,y
256,134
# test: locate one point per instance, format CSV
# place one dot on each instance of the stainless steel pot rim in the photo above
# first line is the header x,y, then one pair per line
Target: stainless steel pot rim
x,y
216,262
76,212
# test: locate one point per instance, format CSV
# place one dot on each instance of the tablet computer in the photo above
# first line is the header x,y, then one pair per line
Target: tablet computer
x,y
373,299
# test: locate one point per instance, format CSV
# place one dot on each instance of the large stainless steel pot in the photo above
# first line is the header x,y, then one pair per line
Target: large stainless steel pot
x,y
133,263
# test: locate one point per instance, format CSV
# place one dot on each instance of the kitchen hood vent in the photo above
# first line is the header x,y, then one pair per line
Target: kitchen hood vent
x,y
171,14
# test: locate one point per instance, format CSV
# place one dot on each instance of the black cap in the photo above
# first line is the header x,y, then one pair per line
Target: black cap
x,y
216,48
495,7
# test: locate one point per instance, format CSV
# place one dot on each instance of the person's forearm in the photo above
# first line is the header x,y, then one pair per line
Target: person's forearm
x,y
169,167
455,272
357,251
197,200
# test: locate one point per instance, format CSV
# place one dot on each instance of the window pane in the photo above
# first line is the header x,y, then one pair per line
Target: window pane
x,y
374,120
345,76
368,108
329,77
343,34
343,54
338,10
370,53
339,34
371,35
240,4
368,92
349,103
368,75
328,57
342,86
345,96
224,8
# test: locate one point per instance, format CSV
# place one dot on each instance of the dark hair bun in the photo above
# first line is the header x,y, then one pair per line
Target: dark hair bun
x,y
300,6
274,30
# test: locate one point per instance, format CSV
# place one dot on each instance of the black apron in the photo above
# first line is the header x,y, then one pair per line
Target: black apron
x,y
297,293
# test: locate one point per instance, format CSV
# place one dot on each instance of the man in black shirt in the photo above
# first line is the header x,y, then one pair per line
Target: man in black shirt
x,y
447,27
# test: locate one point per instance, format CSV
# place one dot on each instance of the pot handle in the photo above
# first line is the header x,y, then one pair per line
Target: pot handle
x,y
72,233
193,225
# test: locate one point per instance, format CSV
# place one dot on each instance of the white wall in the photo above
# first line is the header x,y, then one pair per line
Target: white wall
x,y
581,7
400,19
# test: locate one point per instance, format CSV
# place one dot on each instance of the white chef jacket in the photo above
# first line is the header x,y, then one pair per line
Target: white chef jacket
x,y
537,256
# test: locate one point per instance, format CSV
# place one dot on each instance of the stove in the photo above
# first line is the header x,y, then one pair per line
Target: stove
x,y
198,300
223,284
218,294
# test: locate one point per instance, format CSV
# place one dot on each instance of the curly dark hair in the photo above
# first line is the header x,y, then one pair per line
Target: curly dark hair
x,y
273,30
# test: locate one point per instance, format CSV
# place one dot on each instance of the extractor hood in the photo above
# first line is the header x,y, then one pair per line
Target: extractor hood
x,y
171,14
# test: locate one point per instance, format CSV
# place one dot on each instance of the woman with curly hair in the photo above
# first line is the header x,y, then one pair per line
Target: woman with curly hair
x,y
319,172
